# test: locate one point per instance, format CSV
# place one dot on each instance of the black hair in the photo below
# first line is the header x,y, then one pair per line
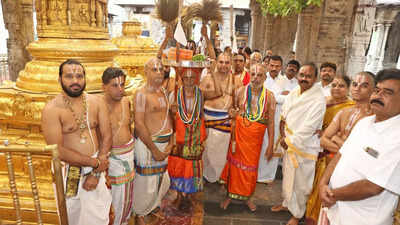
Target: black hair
x,y
346,79
276,58
70,62
328,64
111,73
235,54
247,50
388,74
294,62
313,66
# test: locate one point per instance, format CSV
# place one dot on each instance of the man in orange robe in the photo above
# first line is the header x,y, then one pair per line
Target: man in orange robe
x,y
253,111
185,164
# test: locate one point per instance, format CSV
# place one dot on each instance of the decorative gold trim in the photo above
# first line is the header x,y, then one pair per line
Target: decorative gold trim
x,y
13,188
35,191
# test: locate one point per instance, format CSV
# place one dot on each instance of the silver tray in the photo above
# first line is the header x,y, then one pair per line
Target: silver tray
x,y
186,63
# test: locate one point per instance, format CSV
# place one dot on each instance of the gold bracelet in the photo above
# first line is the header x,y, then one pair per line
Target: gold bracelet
x,y
98,164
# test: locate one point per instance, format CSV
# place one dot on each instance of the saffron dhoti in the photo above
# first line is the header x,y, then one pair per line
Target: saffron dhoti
x,y
121,173
240,172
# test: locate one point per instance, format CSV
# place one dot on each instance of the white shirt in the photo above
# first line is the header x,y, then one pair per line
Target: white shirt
x,y
326,89
272,85
286,84
380,166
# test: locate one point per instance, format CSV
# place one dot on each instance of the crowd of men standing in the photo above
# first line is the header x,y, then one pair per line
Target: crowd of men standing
x,y
231,123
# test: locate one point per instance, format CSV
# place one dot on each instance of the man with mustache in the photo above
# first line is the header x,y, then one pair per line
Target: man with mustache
x,y
328,72
337,132
253,111
267,167
239,60
121,171
361,184
153,127
301,119
79,124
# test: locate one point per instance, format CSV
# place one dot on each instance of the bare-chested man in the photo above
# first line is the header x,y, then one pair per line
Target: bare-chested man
x,y
121,170
337,132
79,124
217,89
153,126
253,110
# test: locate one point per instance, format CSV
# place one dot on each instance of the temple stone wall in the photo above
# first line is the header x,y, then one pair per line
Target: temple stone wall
x,y
18,20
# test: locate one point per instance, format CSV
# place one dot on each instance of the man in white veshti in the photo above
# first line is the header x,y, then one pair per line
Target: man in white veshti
x,y
121,170
154,143
217,90
302,117
361,185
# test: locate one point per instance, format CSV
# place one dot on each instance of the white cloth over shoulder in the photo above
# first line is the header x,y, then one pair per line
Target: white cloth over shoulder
x,y
304,114
370,152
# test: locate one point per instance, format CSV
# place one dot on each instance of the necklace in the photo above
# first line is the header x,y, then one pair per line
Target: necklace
x,y
182,108
260,105
81,121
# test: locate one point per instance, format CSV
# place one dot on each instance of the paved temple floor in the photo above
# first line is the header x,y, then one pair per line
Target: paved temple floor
x,y
265,196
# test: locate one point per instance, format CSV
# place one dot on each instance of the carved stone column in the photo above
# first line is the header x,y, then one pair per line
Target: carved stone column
x,y
18,21
280,33
383,45
307,29
361,35
398,63
256,34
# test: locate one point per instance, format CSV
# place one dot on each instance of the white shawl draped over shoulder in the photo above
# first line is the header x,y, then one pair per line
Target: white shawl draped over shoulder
x,y
303,114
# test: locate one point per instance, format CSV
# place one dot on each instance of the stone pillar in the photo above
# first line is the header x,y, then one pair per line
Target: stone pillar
x,y
383,45
362,30
280,33
307,33
256,34
398,63
18,20
375,48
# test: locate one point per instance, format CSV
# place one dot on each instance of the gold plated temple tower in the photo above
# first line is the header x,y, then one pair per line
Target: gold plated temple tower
x,y
135,50
66,29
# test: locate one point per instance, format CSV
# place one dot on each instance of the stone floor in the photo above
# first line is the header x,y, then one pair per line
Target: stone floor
x,y
265,196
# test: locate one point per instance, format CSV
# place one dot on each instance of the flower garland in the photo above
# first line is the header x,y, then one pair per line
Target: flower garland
x,y
182,109
260,105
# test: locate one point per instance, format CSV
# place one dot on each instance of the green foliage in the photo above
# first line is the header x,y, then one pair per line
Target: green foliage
x,y
285,7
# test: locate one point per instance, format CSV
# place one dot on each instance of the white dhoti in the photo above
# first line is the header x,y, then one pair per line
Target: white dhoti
x,y
121,172
297,184
152,181
303,115
217,143
267,169
90,207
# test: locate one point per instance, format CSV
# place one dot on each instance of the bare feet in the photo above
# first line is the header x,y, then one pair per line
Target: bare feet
x,y
251,205
225,203
278,208
293,221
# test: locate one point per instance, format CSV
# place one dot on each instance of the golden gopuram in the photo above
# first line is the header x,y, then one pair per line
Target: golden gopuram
x,y
76,29
135,50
